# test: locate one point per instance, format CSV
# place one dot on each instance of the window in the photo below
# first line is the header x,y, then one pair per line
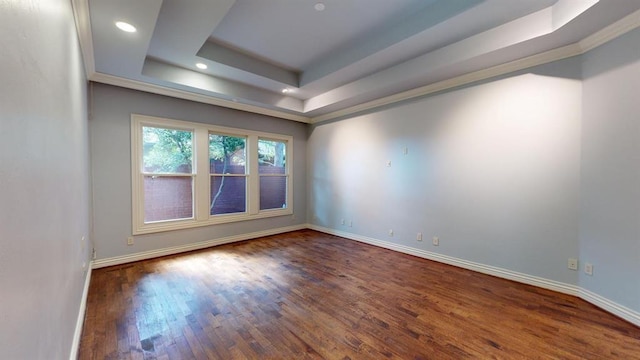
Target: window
x,y
188,174
167,173
227,158
273,174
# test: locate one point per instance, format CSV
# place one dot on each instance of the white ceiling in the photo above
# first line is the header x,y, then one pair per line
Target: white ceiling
x,y
353,53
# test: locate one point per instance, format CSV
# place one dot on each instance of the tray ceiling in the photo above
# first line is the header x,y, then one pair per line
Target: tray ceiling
x,y
307,59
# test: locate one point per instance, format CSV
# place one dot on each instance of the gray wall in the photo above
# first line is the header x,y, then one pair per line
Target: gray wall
x,y
610,210
491,169
110,128
44,179
519,172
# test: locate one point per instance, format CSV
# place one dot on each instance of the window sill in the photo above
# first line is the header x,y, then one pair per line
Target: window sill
x,y
156,227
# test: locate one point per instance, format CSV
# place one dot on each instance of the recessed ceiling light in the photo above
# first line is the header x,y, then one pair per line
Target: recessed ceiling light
x,y
284,91
126,27
319,6
201,66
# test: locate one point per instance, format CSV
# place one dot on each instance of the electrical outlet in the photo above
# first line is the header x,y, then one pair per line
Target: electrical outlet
x,y
342,222
572,264
130,240
419,237
436,241
588,269
405,150
94,255
390,232
388,163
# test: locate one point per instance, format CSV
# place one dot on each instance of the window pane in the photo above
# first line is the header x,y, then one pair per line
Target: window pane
x,y
271,156
228,195
166,150
227,154
168,198
273,192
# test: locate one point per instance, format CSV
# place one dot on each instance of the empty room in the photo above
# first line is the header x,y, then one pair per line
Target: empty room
x,y
320,179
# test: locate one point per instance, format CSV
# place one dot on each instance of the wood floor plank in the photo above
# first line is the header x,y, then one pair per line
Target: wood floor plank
x,y
308,295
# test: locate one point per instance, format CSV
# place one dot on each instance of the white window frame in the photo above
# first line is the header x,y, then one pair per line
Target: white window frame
x,y
202,177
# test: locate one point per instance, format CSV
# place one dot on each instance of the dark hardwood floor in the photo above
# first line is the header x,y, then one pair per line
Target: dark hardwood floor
x,y
308,295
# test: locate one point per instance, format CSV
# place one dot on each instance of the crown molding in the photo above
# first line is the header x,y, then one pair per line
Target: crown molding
x,y
83,26
620,27
524,63
187,95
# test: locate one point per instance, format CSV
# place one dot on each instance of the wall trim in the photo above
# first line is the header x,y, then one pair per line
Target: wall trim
x,y
75,345
465,264
584,294
610,32
601,302
82,17
83,28
192,96
468,78
618,28
610,306
117,260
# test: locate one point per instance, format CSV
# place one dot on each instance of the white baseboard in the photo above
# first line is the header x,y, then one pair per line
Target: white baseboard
x,y
610,306
117,260
75,345
465,264
595,299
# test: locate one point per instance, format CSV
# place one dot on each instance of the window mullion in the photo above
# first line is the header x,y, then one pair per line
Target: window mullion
x,y
201,171
253,196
